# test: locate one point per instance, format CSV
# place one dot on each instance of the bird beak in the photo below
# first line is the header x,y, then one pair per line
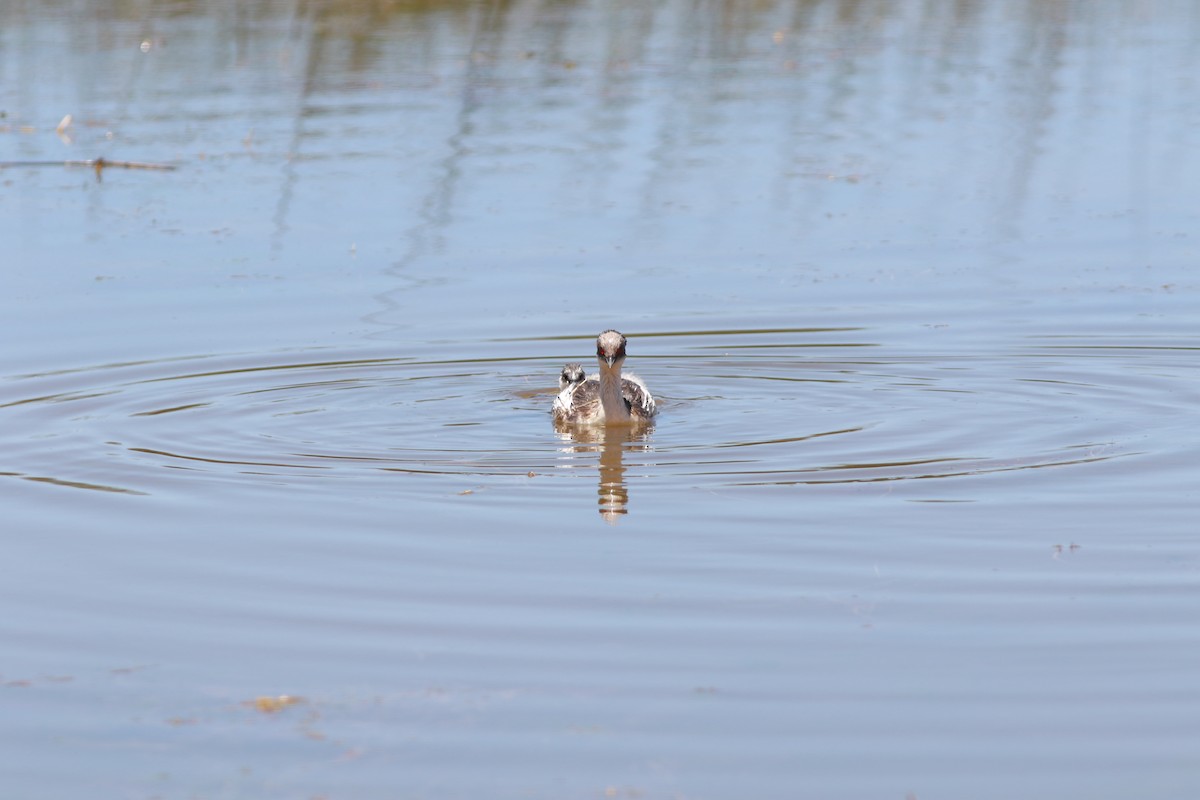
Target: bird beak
x,y
610,360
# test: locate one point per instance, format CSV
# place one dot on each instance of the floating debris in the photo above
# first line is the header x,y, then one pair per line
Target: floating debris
x,y
98,164
268,704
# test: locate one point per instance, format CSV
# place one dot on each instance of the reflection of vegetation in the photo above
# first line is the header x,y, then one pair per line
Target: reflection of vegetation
x,y
99,10
801,36
635,101
726,28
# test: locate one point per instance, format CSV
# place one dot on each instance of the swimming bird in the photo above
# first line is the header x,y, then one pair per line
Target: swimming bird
x,y
571,374
610,398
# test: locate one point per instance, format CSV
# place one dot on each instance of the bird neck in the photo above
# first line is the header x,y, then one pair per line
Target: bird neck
x,y
611,398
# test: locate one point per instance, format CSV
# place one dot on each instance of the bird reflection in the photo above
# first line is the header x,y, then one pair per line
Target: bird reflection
x,y
611,443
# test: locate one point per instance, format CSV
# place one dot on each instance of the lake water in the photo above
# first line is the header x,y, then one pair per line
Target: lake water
x,y
284,513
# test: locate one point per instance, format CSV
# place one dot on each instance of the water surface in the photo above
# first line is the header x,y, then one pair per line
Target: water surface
x,y
915,287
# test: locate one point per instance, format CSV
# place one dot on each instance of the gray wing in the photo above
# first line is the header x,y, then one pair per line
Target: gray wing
x,y
587,398
641,403
579,402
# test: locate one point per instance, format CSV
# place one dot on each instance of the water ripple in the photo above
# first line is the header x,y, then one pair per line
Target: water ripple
x,y
772,407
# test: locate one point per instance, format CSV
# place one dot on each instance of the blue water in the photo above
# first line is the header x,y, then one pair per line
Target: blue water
x,y
284,511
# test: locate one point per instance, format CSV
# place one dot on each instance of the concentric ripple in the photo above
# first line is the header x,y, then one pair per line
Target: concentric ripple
x,y
784,407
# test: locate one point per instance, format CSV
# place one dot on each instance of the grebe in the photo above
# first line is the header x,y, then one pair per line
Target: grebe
x,y
609,398
571,374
